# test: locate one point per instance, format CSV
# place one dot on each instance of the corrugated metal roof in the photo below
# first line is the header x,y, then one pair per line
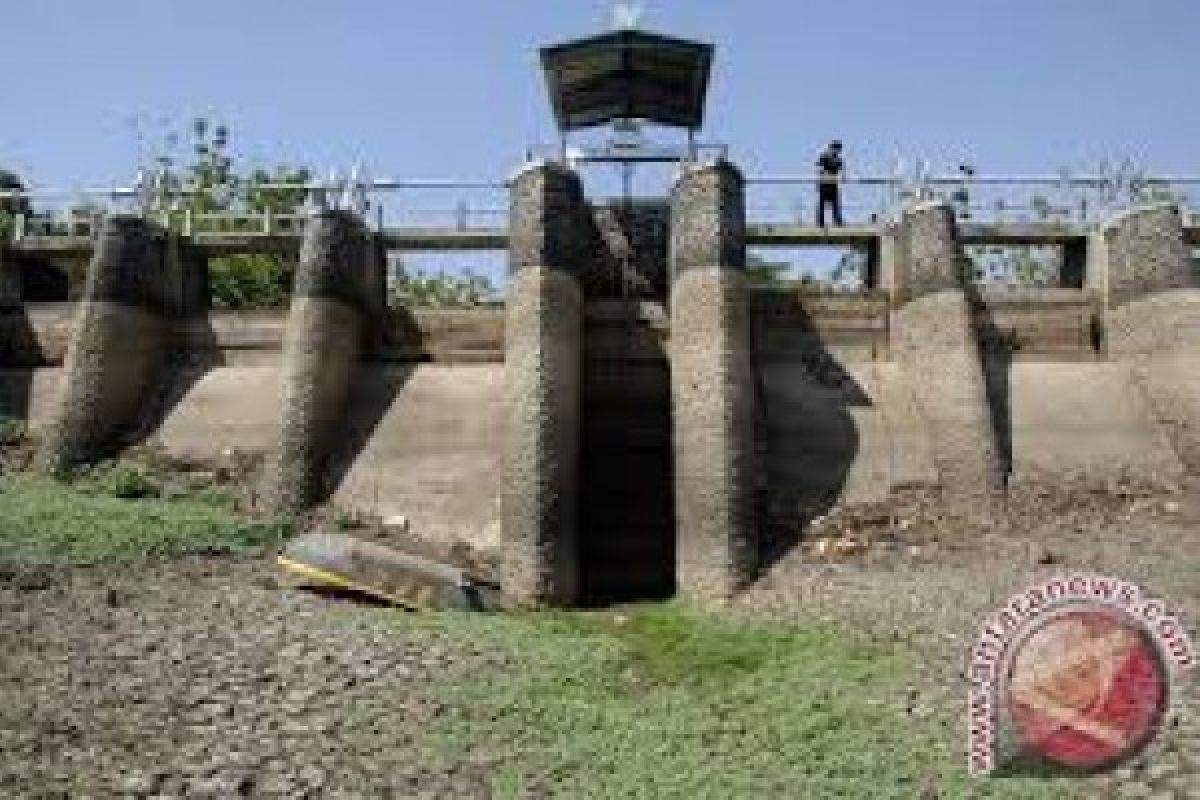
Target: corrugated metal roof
x,y
627,74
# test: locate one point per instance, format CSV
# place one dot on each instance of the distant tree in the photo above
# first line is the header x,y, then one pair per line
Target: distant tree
x,y
762,272
205,179
1152,191
417,289
1021,266
11,207
198,173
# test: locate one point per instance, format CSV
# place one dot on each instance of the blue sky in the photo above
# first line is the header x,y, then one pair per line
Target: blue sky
x,y
451,89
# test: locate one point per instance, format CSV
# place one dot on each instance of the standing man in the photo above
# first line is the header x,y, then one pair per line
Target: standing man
x,y
829,166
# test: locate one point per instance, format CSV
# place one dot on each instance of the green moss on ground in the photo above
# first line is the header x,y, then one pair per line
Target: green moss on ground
x,y
664,701
120,513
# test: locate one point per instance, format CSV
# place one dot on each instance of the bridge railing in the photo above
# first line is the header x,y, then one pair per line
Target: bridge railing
x,y
264,223
74,224
1079,200
69,224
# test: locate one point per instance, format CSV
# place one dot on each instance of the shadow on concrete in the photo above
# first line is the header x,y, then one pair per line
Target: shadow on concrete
x,y
193,347
807,437
43,280
627,250
192,351
996,347
376,385
20,354
627,488
21,349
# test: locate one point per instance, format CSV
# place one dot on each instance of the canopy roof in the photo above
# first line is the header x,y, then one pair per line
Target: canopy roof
x,y
627,74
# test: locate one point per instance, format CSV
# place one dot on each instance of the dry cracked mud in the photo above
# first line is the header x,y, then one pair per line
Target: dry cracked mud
x,y
205,678
931,582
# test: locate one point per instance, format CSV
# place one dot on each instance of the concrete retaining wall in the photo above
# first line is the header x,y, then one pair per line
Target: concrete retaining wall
x,y
423,441
840,435
1046,324
1084,424
712,385
252,338
851,431
790,325
1039,324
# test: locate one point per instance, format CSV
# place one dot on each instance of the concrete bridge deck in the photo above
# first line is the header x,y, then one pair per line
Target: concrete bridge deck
x,y
772,235
451,239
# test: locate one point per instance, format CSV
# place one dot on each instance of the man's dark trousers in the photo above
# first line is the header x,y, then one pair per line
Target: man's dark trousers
x,y
828,195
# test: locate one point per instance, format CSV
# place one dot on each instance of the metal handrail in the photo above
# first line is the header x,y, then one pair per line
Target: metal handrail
x,y
1071,181
382,185
386,185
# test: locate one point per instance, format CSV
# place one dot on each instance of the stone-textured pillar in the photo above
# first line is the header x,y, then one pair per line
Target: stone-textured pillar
x,y
933,341
118,345
543,356
712,385
1141,267
1141,253
321,350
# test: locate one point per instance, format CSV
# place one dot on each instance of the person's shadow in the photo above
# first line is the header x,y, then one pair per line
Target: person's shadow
x,y
807,437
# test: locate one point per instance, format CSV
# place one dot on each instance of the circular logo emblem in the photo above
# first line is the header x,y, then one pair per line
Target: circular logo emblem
x,y
1085,688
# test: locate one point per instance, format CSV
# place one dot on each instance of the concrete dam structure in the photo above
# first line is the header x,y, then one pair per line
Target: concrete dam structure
x,y
639,415
612,442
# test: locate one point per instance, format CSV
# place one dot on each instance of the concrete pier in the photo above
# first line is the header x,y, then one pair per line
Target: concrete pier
x,y
712,385
186,266
1152,317
119,342
322,347
934,343
543,363
10,281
